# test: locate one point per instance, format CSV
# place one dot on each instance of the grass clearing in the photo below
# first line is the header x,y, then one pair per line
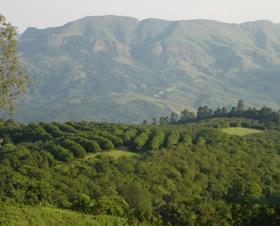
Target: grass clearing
x,y
44,216
240,131
114,153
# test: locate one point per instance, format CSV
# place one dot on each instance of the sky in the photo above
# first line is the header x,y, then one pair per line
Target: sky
x,y
50,13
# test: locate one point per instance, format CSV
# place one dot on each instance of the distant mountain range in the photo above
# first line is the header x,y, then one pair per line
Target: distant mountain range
x,y
120,69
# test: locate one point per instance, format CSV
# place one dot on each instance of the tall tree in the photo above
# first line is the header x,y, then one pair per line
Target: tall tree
x,y
204,112
155,121
163,120
240,106
174,118
187,116
224,110
13,81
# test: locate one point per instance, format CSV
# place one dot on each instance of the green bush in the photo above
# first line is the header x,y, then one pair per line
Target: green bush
x,y
66,128
157,140
52,129
104,143
117,141
35,132
212,136
88,145
59,153
186,138
74,147
129,135
140,141
172,139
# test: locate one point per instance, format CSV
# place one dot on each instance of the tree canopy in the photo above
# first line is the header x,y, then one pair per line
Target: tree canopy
x,y
13,80
191,174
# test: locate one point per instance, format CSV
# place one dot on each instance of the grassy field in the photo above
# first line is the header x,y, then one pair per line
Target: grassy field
x,y
239,131
114,153
43,216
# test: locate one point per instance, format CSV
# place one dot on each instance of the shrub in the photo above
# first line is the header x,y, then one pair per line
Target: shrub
x,y
117,141
129,135
186,138
88,145
35,132
58,152
140,141
66,128
212,136
52,129
75,148
157,140
104,143
172,139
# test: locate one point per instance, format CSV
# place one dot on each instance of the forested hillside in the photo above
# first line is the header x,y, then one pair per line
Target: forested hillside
x,y
120,69
208,172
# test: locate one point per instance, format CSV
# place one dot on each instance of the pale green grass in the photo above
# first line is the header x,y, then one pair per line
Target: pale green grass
x,y
114,153
239,131
43,216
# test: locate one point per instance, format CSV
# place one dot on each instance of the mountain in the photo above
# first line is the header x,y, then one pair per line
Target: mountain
x,y
120,69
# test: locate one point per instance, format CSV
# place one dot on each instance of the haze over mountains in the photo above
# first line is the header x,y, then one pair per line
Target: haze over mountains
x,y
121,69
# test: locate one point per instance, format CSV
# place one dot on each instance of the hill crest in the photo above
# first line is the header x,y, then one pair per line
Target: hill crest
x,y
146,68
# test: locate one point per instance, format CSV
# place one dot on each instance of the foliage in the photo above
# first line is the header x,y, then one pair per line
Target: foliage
x,y
46,216
13,81
191,174
266,115
157,140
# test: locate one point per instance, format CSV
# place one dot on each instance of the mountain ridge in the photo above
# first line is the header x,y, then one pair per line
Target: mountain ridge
x,y
155,19
179,64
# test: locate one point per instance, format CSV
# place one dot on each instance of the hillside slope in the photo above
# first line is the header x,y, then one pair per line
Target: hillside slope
x,y
121,69
43,216
200,173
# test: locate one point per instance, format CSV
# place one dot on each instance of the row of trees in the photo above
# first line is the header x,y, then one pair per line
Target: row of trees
x,y
202,177
74,140
68,140
264,114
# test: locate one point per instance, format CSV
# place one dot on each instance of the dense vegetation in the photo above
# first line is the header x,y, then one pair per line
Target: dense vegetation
x,y
47,216
192,174
265,115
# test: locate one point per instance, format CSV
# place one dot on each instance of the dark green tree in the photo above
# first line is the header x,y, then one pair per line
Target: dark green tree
x,y
163,120
204,112
174,118
187,116
240,106
155,122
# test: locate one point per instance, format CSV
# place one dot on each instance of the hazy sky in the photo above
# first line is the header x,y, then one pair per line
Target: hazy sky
x,y
46,13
